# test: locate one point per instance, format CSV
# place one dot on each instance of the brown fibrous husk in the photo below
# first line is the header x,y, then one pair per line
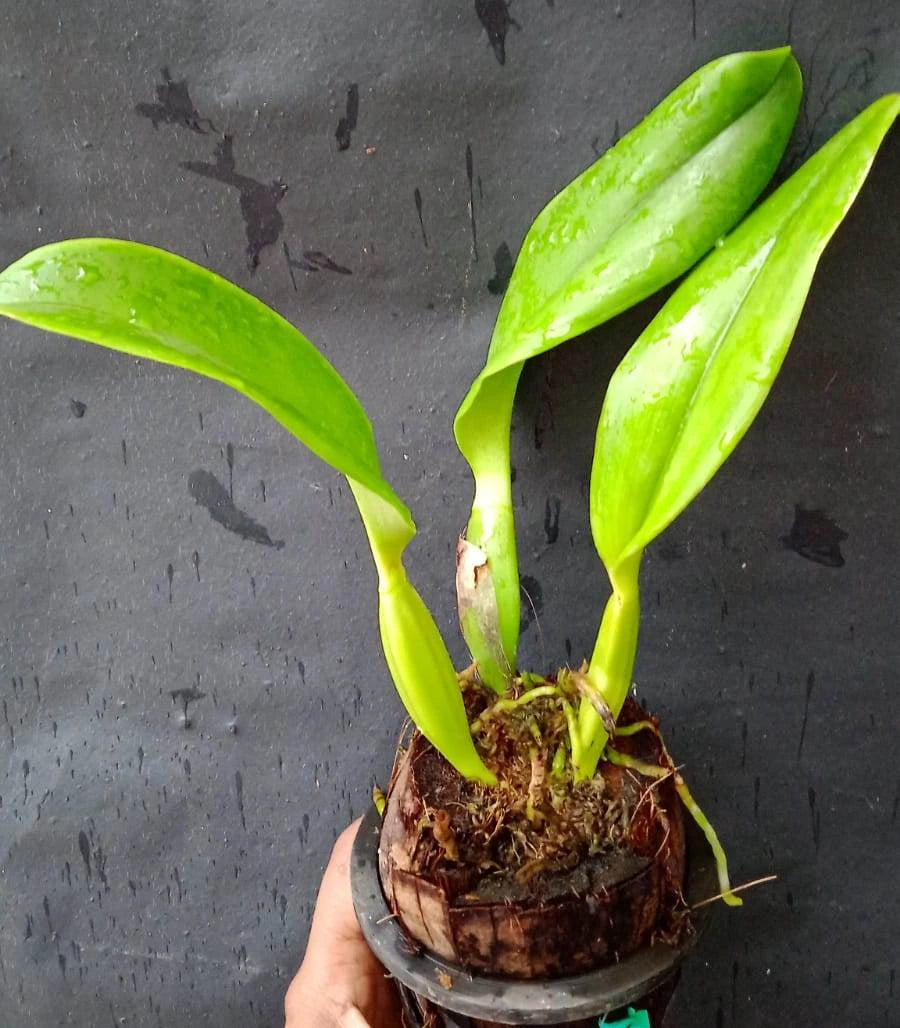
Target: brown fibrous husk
x,y
539,875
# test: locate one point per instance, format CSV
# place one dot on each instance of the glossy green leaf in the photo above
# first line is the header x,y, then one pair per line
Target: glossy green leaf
x,y
691,385
635,220
150,303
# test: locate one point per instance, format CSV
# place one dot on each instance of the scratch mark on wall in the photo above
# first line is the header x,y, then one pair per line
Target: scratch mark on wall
x,y
174,106
259,201
209,492
816,537
469,175
347,124
417,198
503,269
496,20
312,260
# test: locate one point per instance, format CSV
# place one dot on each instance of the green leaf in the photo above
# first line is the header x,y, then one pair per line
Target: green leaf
x,y
689,388
150,303
634,221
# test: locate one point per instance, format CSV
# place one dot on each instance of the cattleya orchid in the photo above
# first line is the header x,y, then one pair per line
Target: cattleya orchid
x,y
668,194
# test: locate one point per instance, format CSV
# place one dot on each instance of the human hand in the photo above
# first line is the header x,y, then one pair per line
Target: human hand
x,y
340,984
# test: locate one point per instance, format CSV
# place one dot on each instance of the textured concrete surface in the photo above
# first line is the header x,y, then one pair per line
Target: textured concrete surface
x,y
192,697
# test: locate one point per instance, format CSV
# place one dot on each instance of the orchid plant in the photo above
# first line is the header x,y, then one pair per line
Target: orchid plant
x,y
661,198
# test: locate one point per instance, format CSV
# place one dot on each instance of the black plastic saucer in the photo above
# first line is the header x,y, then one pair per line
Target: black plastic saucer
x,y
554,1001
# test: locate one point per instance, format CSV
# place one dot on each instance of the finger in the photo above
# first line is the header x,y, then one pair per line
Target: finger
x,y
340,983
334,919
352,1018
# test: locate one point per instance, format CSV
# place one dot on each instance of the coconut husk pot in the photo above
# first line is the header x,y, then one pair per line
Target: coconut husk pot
x,y
512,932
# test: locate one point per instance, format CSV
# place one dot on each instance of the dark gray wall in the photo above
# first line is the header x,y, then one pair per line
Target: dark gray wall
x,y
157,869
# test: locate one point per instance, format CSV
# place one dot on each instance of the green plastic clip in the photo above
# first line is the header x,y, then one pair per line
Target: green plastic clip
x,y
635,1019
